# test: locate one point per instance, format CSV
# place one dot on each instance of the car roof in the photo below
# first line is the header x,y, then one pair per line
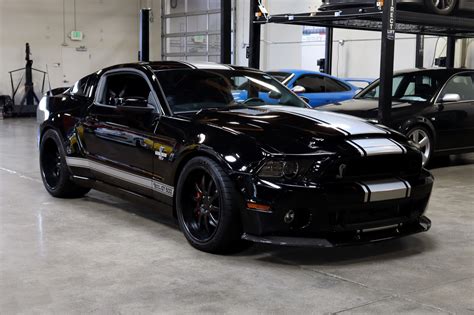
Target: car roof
x,y
432,70
170,65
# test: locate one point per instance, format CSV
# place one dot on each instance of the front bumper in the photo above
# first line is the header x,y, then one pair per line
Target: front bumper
x,y
334,214
347,238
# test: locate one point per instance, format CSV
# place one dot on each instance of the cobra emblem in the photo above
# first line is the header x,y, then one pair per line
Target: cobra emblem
x,y
342,170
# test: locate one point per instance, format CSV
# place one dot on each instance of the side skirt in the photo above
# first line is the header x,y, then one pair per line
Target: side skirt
x,y
163,208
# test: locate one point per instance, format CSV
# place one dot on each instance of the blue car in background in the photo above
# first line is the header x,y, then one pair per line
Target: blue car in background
x,y
319,88
360,83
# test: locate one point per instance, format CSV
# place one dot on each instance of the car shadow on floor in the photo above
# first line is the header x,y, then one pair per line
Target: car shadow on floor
x,y
451,161
387,250
340,256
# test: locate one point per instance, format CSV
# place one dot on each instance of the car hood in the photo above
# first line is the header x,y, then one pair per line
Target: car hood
x,y
290,130
363,108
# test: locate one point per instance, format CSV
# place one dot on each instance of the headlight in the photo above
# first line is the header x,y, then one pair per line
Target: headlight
x,y
279,169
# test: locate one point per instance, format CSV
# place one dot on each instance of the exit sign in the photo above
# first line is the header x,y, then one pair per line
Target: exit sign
x,y
76,35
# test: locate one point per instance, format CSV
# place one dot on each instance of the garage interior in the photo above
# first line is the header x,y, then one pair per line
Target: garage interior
x,y
102,254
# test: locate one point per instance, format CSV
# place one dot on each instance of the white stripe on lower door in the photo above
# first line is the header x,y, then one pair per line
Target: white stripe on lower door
x,y
122,175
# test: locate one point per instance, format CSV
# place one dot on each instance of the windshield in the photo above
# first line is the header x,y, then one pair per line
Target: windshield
x,y
283,77
190,90
412,87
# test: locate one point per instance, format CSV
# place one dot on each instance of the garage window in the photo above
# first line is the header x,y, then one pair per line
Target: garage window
x,y
191,30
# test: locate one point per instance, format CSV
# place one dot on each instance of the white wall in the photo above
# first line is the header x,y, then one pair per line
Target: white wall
x,y
110,30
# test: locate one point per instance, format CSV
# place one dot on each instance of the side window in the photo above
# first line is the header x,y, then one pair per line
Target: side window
x,y
333,86
120,86
463,85
311,83
83,87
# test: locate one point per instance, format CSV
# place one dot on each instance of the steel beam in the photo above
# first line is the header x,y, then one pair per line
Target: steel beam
x,y
253,50
144,49
420,51
328,48
450,52
226,31
386,62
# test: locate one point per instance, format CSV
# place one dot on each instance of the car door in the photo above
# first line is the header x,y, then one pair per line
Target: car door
x,y
453,115
118,141
322,90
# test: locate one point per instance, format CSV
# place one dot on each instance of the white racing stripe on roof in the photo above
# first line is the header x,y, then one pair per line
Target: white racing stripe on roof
x,y
349,124
209,66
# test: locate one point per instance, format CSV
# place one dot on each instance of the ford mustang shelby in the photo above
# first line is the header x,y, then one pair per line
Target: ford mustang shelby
x,y
200,143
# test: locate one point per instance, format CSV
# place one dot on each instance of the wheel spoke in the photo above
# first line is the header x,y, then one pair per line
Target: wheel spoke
x,y
203,184
199,220
198,188
424,142
206,223
212,220
211,182
214,209
214,197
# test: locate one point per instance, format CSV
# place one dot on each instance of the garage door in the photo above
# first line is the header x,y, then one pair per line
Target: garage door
x,y
191,30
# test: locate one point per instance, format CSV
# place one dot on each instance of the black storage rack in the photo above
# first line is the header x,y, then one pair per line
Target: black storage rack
x,y
389,20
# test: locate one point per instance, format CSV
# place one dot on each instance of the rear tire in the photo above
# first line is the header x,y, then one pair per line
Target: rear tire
x,y
442,7
208,207
54,171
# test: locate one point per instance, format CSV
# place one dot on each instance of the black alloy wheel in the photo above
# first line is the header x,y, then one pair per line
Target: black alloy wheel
x,y
54,170
208,207
443,7
51,165
203,197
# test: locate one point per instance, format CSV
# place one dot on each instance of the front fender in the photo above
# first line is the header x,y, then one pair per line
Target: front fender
x,y
416,121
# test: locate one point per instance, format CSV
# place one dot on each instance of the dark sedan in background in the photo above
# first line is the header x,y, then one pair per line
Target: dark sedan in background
x,y
198,142
443,7
433,107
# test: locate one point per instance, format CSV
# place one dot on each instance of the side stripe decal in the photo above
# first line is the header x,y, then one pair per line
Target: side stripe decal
x,y
144,182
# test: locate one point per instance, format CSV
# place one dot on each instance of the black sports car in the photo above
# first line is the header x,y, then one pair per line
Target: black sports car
x,y
434,108
444,7
199,141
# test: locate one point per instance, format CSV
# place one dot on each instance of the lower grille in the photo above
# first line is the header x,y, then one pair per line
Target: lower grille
x,y
374,167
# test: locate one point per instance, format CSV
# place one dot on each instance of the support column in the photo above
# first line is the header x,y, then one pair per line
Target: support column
x,y
386,62
329,47
420,51
144,49
226,31
253,50
450,52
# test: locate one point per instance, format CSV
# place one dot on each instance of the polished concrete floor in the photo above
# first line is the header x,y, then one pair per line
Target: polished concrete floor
x,y
100,254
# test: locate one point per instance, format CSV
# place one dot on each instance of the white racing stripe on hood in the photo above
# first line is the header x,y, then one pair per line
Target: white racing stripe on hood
x,y
348,124
377,146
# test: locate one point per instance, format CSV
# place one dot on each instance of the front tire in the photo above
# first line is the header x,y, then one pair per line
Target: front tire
x,y
442,7
423,139
54,171
208,207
